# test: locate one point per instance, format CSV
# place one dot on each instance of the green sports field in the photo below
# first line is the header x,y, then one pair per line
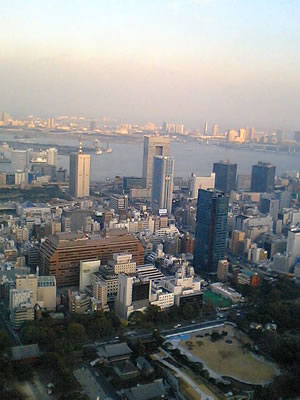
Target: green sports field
x,y
216,299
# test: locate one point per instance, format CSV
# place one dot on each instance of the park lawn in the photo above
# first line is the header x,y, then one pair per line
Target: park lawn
x,y
231,360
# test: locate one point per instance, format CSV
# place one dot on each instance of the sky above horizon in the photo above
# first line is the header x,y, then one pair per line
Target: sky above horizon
x,y
231,62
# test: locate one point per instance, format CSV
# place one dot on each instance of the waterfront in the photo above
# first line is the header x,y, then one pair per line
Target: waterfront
x,y
126,158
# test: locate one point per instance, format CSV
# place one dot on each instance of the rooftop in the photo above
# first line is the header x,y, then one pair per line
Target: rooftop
x,y
114,350
149,391
25,352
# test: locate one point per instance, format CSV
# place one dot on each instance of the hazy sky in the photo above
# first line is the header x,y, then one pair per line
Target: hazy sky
x,y
234,62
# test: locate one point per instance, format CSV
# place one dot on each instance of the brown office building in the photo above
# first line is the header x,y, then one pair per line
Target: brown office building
x,y
60,254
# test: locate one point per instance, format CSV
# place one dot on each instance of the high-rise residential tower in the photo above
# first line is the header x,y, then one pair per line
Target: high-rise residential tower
x,y
80,173
162,185
225,176
263,177
211,230
153,146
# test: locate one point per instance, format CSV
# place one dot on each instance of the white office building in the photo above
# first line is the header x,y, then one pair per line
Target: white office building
x,y
52,156
293,246
87,268
201,182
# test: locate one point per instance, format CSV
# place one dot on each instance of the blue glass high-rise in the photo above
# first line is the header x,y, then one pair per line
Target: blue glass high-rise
x,y
211,230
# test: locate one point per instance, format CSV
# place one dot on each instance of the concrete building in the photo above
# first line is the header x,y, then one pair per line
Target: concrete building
x,y
19,160
18,297
243,182
80,174
222,272
153,146
100,293
161,297
19,315
119,202
122,263
269,205
232,135
87,268
52,156
21,178
43,289
246,277
78,302
201,182
110,281
293,246
46,292
150,272
162,183
237,242
214,130
28,282
133,295
171,127
60,254
226,292
185,286
22,234
280,263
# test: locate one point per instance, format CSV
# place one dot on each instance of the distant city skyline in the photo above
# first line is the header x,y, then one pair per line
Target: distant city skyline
x,y
228,62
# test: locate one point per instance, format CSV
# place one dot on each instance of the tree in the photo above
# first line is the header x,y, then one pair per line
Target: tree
x,y
136,318
139,348
12,395
152,313
76,332
157,337
5,341
188,311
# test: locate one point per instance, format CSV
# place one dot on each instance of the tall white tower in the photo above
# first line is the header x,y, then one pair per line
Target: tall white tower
x,y
80,173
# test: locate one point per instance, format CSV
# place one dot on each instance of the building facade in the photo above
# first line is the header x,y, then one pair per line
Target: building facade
x,y
60,254
262,177
211,230
225,179
80,174
201,182
153,146
162,183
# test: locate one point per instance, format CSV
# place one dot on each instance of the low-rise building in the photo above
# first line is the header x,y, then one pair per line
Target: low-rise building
x,y
114,352
226,291
78,302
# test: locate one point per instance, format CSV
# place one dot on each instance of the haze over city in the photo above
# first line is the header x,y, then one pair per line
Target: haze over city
x,y
233,62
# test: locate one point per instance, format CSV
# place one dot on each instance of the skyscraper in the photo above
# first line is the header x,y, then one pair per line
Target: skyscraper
x,y
80,174
201,182
19,160
52,156
205,132
263,177
153,146
162,185
50,123
225,176
215,130
211,230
